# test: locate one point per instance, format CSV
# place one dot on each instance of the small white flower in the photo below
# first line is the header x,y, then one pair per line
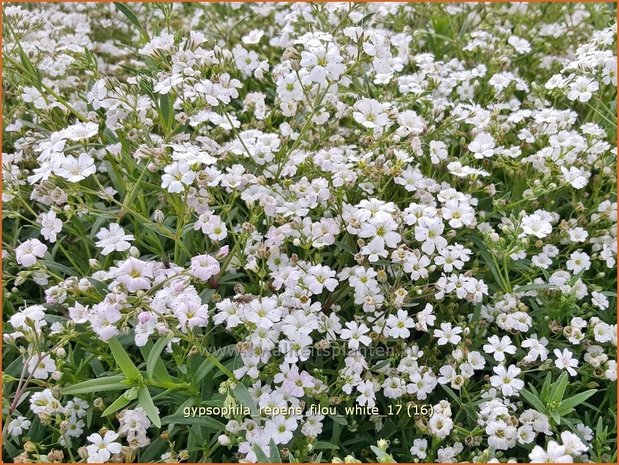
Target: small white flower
x,y
482,146
102,447
534,225
113,239
50,225
76,169
565,361
27,253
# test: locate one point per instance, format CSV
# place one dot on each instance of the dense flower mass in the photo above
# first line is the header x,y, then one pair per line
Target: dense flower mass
x,y
309,232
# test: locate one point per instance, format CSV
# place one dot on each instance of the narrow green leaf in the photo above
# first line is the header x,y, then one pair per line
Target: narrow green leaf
x,y
131,17
260,455
274,452
489,261
533,400
468,409
146,402
245,398
124,362
52,265
568,404
339,419
558,390
534,287
154,357
99,286
207,422
111,383
325,445
205,367
547,385
115,406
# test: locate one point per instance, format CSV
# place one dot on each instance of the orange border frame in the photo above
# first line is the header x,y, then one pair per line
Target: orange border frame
x,y
2,2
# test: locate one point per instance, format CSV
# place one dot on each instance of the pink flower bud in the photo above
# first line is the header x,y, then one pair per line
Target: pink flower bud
x,y
223,252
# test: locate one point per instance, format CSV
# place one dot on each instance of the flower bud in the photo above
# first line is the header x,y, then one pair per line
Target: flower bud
x,y
158,216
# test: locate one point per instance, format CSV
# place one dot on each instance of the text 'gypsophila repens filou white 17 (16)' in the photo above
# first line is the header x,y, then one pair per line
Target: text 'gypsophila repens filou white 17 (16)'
x,y
342,232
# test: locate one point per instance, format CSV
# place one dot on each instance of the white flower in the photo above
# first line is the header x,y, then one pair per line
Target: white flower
x,y
323,62
482,146
582,89
76,169
438,151
41,365
253,37
506,380
576,177
572,443
27,253
81,131
50,225
371,114
419,448
447,334
534,225
579,261
113,239
565,361
553,454
280,428
599,300
399,326
204,267
102,448
356,334
18,425
177,176
499,347
520,45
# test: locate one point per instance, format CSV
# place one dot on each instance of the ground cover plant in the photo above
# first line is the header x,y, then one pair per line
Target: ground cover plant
x,y
309,232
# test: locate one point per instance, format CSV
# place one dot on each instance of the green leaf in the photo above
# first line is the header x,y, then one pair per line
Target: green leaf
x,y
325,445
547,385
205,367
124,362
558,390
339,419
245,398
568,404
154,357
260,455
346,247
381,455
153,451
116,405
99,286
274,452
207,422
534,400
534,287
166,111
490,262
146,402
468,409
52,265
132,18
110,383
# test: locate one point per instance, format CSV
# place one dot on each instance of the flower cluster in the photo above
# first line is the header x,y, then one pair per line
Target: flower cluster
x,y
277,232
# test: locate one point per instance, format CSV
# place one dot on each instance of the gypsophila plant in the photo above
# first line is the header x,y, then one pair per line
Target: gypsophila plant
x,y
305,232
